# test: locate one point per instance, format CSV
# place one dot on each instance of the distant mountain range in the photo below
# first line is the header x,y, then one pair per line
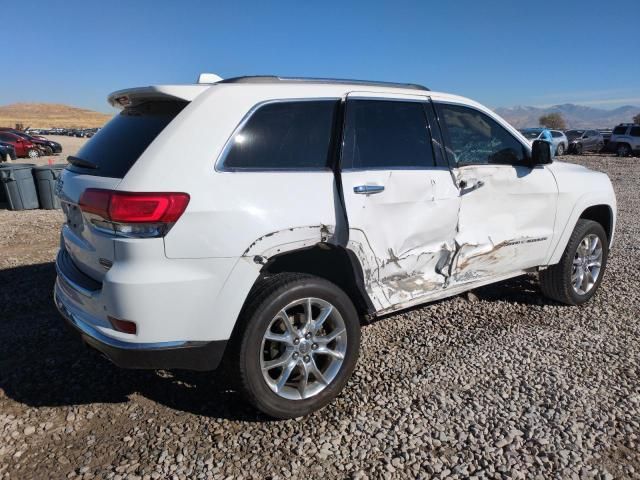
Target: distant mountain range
x,y
47,115
576,116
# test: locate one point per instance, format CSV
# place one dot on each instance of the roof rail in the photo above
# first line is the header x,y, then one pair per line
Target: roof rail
x,y
342,81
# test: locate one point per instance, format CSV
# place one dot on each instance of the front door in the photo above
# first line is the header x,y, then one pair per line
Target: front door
x,y
507,210
401,199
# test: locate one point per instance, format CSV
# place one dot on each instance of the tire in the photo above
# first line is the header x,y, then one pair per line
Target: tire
x,y
48,151
578,149
33,153
269,390
556,282
560,150
623,150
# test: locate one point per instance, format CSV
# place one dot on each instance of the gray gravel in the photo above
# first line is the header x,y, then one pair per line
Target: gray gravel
x,y
500,383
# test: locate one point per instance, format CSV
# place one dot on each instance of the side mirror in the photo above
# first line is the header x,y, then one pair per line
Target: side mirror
x,y
540,153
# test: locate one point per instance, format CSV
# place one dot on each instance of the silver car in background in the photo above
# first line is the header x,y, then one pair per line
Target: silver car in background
x,y
560,143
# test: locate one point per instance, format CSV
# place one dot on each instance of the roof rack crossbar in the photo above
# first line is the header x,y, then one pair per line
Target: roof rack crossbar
x,y
275,79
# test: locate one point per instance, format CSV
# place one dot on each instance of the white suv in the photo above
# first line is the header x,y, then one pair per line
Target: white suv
x,y
256,221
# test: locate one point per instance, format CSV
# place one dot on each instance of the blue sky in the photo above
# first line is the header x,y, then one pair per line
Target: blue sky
x,y
501,53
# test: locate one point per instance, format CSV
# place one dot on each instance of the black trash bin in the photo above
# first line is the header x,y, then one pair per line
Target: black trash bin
x,y
18,185
46,177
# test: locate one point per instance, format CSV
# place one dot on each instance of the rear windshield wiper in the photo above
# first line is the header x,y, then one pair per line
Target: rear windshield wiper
x,y
81,162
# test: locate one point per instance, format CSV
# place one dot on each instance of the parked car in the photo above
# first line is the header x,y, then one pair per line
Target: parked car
x,y
559,140
606,136
310,206
22,146
584,141
46,146
51,147
625,139
7,152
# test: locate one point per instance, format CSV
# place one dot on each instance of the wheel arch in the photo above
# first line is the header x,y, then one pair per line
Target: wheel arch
x,y
602,214
600,208
336,264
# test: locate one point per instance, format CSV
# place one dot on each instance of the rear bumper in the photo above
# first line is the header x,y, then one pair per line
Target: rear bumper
x,y
73,290
202,356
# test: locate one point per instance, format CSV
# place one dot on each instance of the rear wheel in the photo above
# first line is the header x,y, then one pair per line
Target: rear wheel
x,y
33,153
578,149
48,151
560,150
623,150
577,276
299,345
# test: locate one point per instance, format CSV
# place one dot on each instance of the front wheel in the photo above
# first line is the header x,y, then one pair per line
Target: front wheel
x,y
299,345
577,276
33,153
578,149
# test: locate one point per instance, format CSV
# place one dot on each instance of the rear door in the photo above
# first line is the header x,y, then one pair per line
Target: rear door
x,y
401,201
102,163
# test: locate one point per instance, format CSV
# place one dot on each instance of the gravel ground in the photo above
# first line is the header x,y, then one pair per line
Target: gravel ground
x,y
500,383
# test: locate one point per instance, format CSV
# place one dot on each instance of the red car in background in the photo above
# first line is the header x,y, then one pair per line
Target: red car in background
x,y
23,147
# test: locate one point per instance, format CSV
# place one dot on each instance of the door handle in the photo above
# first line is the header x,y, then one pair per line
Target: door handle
x,y
368,189
470,185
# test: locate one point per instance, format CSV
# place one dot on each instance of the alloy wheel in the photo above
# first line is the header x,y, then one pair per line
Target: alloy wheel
x,y
303,348
587,263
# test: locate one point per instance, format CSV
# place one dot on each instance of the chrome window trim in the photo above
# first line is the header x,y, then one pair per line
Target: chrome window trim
x,y
219,164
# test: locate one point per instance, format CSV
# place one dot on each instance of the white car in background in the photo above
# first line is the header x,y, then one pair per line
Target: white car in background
x,y
560,141
254,222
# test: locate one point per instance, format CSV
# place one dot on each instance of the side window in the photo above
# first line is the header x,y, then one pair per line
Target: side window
x,y
555,134
386,134
635,132
474,138
619,130
285,135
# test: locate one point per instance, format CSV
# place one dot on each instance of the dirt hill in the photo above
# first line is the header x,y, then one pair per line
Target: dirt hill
x,y
47,115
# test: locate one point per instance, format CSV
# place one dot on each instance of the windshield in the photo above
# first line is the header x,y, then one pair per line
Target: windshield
x,y
530,134
573,134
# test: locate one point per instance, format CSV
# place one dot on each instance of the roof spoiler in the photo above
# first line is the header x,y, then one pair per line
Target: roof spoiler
x,y
132,96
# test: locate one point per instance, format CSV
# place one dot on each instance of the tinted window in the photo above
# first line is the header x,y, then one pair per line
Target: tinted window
x,y
117,146
555,134
475,138
386,134
635,131
8,137
620,130
285,135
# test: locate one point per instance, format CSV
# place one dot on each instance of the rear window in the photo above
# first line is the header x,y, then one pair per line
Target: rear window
x,y
289,135
118,145
620,130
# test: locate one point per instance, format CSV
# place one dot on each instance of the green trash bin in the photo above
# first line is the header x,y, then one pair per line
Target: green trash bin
x,y
18,185
46,177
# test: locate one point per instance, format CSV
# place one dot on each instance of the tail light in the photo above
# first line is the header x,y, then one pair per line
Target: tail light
x,y
131,214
